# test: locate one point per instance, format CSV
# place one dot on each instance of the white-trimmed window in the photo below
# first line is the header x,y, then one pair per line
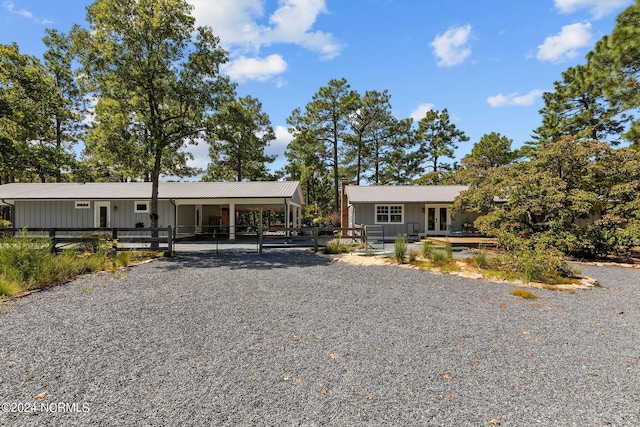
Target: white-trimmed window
x,y
389,214
83,205
141,207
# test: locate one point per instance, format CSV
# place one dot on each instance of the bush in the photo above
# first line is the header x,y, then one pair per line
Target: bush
x,y
427,249
27,263
541,264
413,255
336,247
482,259
400,249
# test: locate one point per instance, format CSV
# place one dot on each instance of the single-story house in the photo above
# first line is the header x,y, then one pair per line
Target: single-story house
x,y
188,207
406,210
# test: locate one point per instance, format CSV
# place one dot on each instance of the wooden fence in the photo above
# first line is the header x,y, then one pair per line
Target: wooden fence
x,y
311,237
117,238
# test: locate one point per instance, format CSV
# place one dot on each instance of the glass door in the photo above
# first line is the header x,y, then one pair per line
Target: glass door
x,y
437,220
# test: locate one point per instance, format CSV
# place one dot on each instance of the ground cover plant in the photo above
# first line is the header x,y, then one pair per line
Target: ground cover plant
x,y
27,263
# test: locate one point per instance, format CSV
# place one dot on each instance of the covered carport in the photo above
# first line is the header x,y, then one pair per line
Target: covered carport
x,y
213,209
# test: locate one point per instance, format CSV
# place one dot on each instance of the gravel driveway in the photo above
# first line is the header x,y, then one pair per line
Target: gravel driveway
x,y
291,338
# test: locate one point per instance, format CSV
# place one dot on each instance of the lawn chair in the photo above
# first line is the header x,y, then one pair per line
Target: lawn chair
x,y
451,231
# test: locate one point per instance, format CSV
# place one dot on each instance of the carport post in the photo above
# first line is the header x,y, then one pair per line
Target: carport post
x,y
169,242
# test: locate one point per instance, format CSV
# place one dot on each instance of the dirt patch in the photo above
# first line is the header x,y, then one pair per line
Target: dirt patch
x,y
466,271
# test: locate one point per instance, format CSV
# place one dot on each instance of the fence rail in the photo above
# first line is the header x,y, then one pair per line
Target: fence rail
x,y
312,237
121,238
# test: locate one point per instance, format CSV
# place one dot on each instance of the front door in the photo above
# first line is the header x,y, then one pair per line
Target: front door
x,y
102,214
437,220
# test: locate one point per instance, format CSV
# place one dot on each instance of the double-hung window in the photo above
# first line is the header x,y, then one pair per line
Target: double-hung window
x,y
389,214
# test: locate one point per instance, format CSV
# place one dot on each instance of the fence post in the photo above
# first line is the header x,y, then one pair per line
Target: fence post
x,y
260,230
52,237
114,239
316,234
169,242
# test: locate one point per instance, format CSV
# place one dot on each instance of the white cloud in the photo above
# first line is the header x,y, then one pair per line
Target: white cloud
x,y
283,138
420,111
565,45
11,7
237,24
200,154
451,48
514,99
244,68
598,8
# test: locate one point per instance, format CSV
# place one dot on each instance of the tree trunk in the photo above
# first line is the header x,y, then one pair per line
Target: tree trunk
x,y
155,184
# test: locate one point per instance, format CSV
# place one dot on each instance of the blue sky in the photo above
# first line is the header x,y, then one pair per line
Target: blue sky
x,y
487,62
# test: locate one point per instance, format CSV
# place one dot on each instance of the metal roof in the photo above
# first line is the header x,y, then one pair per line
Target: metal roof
x,y
403,193
142,190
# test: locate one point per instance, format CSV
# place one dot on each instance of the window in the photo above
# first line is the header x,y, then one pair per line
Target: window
x,y
83,205
141,207
389,214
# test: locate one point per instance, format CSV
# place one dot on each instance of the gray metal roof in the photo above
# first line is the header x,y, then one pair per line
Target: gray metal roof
x,y
403,193
142,190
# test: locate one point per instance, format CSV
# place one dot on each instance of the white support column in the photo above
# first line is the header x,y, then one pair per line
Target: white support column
x,y
287,217
232,221
299,216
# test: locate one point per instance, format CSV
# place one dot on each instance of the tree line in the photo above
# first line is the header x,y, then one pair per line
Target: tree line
x,y
142,82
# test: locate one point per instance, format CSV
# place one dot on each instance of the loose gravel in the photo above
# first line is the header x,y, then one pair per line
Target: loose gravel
x,y
291,338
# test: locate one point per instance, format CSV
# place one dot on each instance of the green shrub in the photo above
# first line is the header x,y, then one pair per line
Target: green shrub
x,y
541,264
482,259
400,249
448,249
8,287
427,249
335,246
439,256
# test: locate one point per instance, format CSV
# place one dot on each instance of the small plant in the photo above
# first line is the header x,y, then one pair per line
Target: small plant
x,y
523,293
413,255
482,259
139,224
8,287
400,249
427,249
336,247
448,249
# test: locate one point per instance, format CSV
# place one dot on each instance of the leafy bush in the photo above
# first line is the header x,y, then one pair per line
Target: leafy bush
x,y
400,248
541,264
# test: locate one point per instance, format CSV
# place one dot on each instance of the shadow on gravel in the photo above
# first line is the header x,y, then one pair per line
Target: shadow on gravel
x,y
246,261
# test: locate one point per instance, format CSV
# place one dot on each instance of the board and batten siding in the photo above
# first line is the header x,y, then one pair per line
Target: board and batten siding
x,y
64,214
365,214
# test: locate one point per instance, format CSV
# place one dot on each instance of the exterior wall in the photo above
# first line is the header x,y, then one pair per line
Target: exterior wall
x,y
63,214
211,215
186,215
365,214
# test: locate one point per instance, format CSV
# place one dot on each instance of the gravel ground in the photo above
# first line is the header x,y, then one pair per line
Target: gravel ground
x,y
291,338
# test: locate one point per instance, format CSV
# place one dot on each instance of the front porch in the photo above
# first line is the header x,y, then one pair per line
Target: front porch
x,y
233,219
